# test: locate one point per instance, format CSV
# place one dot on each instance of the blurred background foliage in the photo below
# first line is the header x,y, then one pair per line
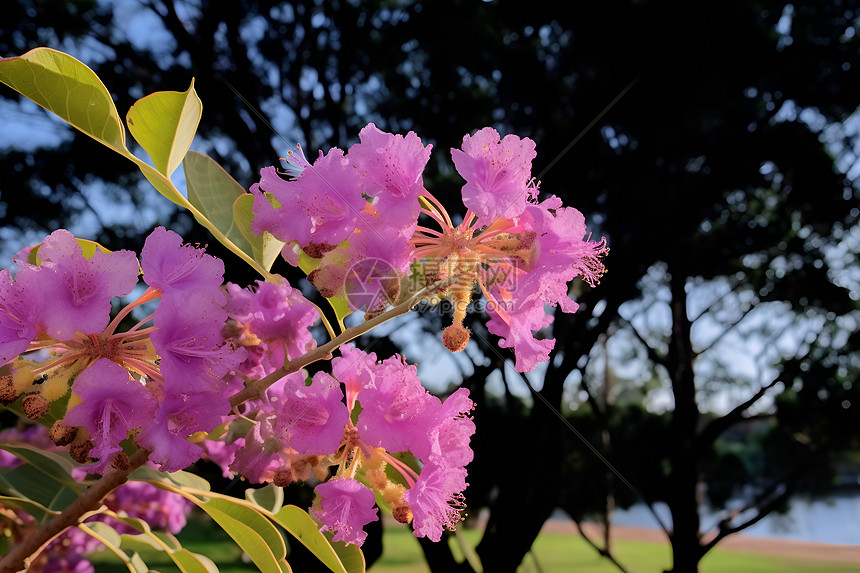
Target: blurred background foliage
x,y
714,145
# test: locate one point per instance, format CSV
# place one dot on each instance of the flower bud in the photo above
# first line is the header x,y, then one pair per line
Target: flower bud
x,y
35,406
455,337
121,461
62,434
402,514
283,477
8,393
80,451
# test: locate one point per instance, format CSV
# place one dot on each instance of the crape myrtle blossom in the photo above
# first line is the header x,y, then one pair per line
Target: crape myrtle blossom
x,y
164,382
348,208
356,418
520,252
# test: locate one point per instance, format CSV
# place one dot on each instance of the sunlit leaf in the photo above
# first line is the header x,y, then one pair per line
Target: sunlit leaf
x,y
180,478
190,562
112,540
350,555
74,92
187,561
255,534
266,247
269,497
60,83
164,124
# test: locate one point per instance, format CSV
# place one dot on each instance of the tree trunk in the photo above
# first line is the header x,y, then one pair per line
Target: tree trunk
x,y
526,497
683,455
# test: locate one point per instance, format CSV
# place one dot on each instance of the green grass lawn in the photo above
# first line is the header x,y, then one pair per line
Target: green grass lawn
x,y
552,553
561,553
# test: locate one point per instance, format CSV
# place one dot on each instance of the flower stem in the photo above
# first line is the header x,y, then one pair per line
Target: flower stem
x,y
256,389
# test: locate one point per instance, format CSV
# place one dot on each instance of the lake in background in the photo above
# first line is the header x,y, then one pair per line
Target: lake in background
x,y
834,519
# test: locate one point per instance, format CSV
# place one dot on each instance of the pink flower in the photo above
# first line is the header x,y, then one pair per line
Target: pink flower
x,y
17,317
167,436
448,433
194,356
396,409
314,415
276,314
354,369
347,506
435,500
559,252
496,173
75,292
113,403
390,165
183,272
320,206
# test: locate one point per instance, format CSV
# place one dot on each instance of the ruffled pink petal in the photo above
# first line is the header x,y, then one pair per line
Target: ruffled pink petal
x,y
346,507
496,173
436,500
76,292
181,271
112,404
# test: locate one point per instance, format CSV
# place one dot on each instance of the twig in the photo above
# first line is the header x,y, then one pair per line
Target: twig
x,y
256,389
604,552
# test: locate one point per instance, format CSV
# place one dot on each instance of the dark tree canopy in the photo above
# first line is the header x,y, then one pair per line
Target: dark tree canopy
x,y
722,179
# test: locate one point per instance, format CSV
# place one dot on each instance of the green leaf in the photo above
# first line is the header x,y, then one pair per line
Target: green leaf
x,y
149,540
181,479
112,540
162,184
251,531
60,83
28,483
302,526
38,511
269,497
43,485
190,562
266,247
350,555
212,191
164,124
53,465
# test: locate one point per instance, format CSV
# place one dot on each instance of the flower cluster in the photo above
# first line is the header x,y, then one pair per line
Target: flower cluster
x,y
359,418
357,214
161,384
165,383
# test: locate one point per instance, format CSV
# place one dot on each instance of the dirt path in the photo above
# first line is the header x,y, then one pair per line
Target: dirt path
x,y
740,543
